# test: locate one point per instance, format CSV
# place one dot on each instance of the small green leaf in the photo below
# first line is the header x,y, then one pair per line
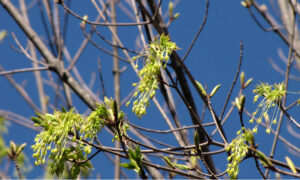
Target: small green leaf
x,y
242,78
183,167
248,82
20,149
13,147
291,164
168,161
138,153
36,120
127,165
131,154
75,170
106,100
176,15
201,88
242,101
59,169
63,109
171,8
263,158
237,103
216,88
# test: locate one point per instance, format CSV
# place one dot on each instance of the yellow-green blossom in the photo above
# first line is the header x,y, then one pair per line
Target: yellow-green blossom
x,y
239,149
157,56
62,132
272,95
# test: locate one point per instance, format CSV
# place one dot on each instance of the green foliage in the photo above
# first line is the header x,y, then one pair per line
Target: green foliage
x,y
239,150
72,173
135,160
272,95
63,126
157,56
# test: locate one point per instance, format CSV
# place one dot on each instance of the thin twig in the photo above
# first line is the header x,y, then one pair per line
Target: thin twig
x,y
234,80
258,168
14,159
289,116
217,123
99,23
101,48
44,23
115,45
266,15
198,32
23,70
280,71
287,143
25,52
101,79
291,42
21,90
162,131
33,54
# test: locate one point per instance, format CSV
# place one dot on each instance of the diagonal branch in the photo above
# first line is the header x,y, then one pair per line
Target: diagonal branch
x,y
50,59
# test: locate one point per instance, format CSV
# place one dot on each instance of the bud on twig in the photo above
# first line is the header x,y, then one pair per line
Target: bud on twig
x,y
59,1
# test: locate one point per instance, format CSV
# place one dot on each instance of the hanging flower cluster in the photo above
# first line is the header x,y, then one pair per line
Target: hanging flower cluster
x,y
239,149
64,135
272,95
157,56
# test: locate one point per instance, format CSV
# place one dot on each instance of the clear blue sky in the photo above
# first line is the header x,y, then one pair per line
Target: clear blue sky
x,y
212,61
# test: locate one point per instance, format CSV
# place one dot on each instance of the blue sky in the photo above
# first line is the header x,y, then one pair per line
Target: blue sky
x,y
213,60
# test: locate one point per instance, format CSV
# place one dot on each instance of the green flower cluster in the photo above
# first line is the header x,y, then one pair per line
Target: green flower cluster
x,y
157,56
239,149
272,95
54,136
64,131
